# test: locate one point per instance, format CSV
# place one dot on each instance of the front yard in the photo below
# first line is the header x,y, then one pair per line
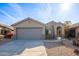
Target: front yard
x,y
37,48
57,49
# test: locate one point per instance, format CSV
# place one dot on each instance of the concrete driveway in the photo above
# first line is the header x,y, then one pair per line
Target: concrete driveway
x,y
23,47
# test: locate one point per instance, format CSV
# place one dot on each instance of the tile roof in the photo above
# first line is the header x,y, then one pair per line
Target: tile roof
x,y
9,27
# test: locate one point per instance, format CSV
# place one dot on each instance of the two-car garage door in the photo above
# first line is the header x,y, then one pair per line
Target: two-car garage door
x,y
29,33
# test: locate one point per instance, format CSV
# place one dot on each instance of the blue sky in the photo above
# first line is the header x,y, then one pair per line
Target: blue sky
x,y
11,13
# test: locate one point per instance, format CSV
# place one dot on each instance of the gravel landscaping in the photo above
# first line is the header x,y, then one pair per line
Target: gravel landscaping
x,y
57,49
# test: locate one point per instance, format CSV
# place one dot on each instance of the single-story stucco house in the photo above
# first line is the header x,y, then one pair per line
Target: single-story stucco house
x,y
74,30
32,29
29,29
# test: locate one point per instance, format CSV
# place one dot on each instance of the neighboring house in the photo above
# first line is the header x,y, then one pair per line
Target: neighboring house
x,y
4,29
74,30
56,29
32,29
29,29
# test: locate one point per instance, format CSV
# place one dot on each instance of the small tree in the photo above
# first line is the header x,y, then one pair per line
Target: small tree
x,y
67,24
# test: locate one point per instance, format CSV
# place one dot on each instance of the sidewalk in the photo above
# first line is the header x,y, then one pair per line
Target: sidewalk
x,y
37,51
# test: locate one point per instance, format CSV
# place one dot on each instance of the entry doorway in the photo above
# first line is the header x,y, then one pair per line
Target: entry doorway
x,y
59,31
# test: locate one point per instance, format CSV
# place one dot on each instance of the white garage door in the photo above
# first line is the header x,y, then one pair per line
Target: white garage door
x,y
29,33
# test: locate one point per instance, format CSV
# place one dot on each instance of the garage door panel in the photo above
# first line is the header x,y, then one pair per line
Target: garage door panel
x,y
29,33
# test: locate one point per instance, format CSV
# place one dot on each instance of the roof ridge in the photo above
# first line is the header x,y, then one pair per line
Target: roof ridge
x,y
7,26
28,18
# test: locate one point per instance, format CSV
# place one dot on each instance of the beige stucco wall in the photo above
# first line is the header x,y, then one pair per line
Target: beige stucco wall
x,y
55,25
50,25
30,23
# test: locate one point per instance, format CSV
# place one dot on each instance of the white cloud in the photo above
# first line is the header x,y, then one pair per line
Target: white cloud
x,y
17,8
9,16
